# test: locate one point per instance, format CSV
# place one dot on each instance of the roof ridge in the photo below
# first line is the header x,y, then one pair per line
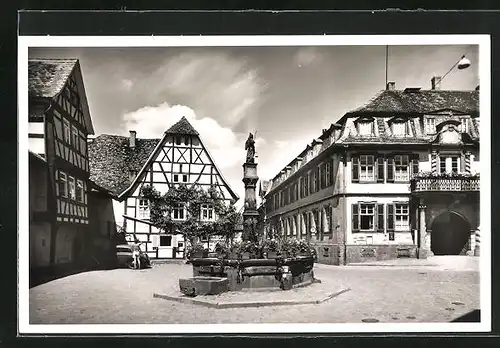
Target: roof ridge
x,y
183,126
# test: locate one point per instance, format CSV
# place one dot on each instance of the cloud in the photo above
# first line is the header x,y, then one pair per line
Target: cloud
x,y
216,85
306,56
127,84
226,146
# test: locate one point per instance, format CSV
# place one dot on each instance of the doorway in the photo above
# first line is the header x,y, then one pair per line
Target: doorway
x,y
450,234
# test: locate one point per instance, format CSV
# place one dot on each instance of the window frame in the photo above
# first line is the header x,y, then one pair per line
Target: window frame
x,y
404,212
368,124
71,187
66,131
143,211
404,124
180,209
169,239
75,137
366,178
209,210
63,180
401,166
372,215
79,188
428,126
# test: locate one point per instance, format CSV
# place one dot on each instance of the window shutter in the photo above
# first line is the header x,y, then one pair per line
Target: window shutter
x,y
355,218
414,164
380,169
380,218
355,169
390,217
390,169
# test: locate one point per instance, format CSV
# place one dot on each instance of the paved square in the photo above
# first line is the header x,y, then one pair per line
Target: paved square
x,y
390,294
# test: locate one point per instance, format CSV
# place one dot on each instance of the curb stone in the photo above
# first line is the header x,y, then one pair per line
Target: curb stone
x,y
223,305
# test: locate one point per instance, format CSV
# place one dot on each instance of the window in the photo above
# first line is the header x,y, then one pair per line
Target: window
x,y
399,129
83,148
184,178
66,131
328,179
178,140
366,216
74,134
186,141
366,166
430,125
328,218
143,211
63,185
207,212
166,241
71,187
365,128
464,125
79,191
176,178
401,168
401,217
305,181
178,212
315,180
448,164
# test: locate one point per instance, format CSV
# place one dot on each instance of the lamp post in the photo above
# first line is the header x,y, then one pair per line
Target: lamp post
x,y
463,63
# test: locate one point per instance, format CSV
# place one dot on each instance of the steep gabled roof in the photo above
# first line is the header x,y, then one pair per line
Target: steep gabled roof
x,y
182,127
111,160
47,77
419,102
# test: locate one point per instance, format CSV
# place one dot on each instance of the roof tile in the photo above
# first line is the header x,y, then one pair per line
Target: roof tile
x,y
48,76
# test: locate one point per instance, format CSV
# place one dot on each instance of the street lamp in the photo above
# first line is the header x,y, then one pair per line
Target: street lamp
x,y
463,63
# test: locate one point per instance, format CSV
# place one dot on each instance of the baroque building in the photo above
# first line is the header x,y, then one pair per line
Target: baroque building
x,y
62,230
123,165
396,177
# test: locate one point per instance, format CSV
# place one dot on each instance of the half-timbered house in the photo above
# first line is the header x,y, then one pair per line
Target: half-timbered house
x,y
59,122
396,177
124,164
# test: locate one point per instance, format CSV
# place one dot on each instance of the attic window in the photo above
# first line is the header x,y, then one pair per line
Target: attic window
x,y
365,127
399,127
430,125
178,140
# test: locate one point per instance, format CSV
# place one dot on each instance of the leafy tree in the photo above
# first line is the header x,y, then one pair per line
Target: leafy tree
x,y
192,198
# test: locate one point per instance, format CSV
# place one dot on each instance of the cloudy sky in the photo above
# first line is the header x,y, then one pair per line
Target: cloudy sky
x,y
286,94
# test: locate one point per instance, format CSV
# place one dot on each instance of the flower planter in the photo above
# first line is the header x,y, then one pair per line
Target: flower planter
x,y
199,254
246,255
272,255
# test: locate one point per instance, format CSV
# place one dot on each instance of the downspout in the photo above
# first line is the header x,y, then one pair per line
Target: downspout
x,y
344,187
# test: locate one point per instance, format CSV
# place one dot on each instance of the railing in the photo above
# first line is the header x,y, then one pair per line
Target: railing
x,y
442,184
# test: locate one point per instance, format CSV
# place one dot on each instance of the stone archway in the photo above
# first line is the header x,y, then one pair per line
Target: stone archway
x,y
450,234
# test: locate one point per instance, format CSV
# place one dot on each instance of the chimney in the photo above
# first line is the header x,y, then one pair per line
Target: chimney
x,y
435,83
477,88
132,139
391,86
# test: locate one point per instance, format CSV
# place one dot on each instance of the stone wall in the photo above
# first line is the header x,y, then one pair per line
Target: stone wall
x,y
364,253
327,253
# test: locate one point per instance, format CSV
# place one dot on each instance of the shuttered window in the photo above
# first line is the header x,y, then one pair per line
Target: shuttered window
x,y
390,217
390,169
355,169
380,218
380,169
355,218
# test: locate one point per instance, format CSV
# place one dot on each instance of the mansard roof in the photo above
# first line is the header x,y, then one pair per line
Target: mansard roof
x,y
182,127
419,102
111,159
47,77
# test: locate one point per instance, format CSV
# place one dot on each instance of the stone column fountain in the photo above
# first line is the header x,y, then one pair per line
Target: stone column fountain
x,y
250,178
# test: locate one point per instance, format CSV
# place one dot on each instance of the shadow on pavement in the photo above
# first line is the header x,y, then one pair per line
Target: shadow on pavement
x,y
471,317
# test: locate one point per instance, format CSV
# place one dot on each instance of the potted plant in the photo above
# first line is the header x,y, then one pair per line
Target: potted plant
x,y
221,250
248,250
234,251
288,248
304,248
198,251
270,248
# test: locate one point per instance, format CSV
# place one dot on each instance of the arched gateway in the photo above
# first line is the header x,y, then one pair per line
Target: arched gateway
x,y
450,234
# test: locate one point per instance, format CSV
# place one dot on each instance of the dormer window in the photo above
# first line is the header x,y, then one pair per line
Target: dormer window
x,y
399,126
365,126
430,125
464,125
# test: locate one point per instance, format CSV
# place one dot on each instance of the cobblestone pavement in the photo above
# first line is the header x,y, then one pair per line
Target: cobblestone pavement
x,y
388,294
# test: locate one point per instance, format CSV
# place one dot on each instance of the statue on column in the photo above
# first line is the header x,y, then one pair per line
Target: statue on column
x,y
250,147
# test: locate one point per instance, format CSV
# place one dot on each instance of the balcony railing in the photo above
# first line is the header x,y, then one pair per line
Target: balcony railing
x,y
444,184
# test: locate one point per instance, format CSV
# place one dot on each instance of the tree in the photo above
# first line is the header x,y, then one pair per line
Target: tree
x,y
192,198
